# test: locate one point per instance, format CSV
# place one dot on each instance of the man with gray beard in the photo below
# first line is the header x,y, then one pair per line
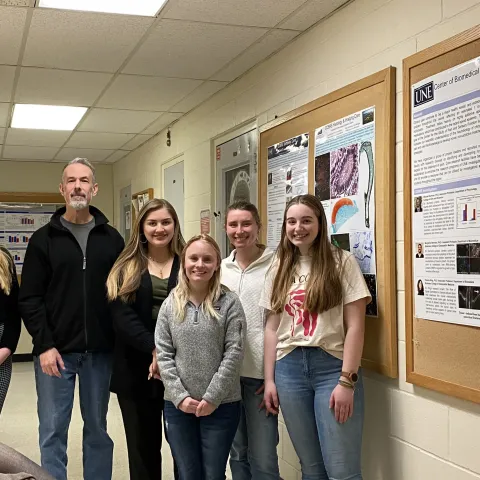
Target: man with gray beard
x,y
64,306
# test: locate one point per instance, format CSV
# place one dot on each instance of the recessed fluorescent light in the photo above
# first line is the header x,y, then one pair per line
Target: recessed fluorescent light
x,y
148,8
46,117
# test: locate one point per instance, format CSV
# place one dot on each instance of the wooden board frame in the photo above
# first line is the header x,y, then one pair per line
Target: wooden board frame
x,y
31,197
381,343
450,350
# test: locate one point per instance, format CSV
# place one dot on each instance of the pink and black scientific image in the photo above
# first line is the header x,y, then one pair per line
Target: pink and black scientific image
x,y
344,172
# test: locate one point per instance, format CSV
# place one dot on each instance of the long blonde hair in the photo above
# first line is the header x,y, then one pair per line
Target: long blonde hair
x,y
125,277
324,286
6,271
181,292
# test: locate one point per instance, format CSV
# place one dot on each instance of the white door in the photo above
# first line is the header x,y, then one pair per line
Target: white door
x,y
173,189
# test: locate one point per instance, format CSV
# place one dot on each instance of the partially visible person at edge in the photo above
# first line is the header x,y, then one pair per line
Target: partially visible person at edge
x,y
313,344
254,451
64,305
10,322
200,342
140,281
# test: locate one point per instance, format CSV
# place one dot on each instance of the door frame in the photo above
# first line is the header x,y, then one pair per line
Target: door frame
x,y
217,221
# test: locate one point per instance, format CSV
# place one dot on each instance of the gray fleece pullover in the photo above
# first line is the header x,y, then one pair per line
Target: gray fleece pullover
x,y
201,356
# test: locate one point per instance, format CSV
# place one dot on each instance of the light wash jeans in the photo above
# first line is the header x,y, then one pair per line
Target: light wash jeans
x,y
327,450
254,451
55,404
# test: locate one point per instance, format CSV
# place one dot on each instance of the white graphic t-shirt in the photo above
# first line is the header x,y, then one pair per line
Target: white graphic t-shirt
x,y
299,327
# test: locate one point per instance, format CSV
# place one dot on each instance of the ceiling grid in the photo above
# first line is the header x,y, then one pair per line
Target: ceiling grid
x,y
136,75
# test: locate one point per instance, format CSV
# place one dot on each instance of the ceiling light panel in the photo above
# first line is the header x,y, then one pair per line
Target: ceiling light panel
x,y
46,117
146,8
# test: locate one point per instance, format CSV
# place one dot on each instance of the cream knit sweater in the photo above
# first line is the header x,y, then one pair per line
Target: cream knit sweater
x,y
248,285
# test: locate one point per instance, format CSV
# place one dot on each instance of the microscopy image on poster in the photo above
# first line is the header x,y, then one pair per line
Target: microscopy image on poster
x,y
344,172
445,166
372,307
344,182
287,177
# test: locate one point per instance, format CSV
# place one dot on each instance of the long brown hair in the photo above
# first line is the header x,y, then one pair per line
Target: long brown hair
x,y
182,290
125,276
324,286
6,271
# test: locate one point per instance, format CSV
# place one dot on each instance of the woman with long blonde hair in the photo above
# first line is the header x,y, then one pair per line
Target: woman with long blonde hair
x,y
10,322
200,342
139,282
316,298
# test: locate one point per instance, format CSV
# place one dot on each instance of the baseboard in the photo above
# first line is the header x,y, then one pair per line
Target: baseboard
x,y
22,357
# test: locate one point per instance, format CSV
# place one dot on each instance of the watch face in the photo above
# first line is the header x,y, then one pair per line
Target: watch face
x,y
354,377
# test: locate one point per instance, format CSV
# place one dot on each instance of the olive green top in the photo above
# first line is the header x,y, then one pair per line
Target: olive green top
x,y
160,293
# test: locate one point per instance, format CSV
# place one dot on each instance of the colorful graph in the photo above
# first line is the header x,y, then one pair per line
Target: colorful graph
x,y
467,212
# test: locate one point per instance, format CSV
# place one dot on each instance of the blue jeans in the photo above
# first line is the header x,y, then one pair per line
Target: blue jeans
x,y
305,379
200,445
254,451
55,404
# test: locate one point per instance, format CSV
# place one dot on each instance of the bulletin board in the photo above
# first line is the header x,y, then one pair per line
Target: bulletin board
x,y
139,199
311,127
442,85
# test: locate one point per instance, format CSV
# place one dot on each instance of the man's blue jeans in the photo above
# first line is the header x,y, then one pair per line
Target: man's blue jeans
x,y
328,450
200,445
254,451
55,404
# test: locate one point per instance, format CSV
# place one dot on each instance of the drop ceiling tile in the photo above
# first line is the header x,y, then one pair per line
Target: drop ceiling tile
x,y
81,40
198,96
7,74
116,156
117,121
269,44
311,13
136,142
190,49
266,13
36,138
4,114
12,22
146,93
109,141
92,154
29,153
165,120
59,87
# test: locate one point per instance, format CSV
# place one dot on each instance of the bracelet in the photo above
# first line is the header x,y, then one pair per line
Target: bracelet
x,y
345,384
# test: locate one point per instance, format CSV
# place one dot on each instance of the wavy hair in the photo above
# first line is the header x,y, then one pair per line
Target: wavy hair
x,y
7,269
125,277
181,292
324,286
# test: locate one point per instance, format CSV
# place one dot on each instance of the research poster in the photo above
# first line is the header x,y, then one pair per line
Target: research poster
x,y
16,229
344,182
287,177
445,203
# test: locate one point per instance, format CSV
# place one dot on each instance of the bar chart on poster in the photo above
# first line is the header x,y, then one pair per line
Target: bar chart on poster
x,y
20,216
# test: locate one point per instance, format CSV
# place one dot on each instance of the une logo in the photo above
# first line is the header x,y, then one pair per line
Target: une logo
x,y
423,94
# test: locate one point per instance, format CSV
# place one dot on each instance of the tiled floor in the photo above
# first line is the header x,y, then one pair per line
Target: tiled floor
x,y
19,428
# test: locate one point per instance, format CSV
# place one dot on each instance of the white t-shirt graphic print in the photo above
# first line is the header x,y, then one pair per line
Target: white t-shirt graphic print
x,y
300,328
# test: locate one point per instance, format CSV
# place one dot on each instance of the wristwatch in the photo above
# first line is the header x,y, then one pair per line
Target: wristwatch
x,y
352,376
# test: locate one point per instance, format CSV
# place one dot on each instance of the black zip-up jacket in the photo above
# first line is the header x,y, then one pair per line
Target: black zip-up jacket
x,y
63,299
135,342
9,314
